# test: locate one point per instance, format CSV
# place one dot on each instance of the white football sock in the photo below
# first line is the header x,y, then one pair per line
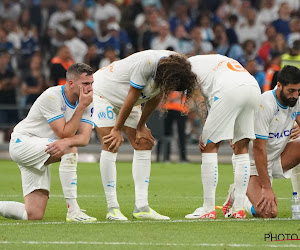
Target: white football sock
x,y
233,163
141,167
295,179
209,176
248,206
241,179
68,179
13,210
109,177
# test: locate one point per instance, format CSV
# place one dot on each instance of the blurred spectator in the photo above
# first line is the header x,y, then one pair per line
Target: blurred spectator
x,y
58,22
295,31
267,13
279,45
104,10
251,67
82,16
4,44
8,90
10,9
251,29
175,113
207,33
250,53
124,46
87,33
193,8
59,66
294,4
164,39
223,46
110,56
29,46
272,69
181,17
12,30
264,50
77,47
281,24
149,28
197,46
228,8
183,39
92,58
293,57
105,38
34,81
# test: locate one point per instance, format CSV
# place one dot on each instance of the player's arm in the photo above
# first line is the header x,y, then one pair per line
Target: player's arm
x,y
81,139
115,138
268,200
201,106
68,129
142,130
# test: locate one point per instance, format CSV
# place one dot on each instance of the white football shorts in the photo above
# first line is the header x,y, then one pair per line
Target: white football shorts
x,y
29,153
232,115
274,170
105,114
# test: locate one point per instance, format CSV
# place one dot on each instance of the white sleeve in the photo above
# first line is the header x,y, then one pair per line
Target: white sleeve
x,y
50,107
263,120
141,71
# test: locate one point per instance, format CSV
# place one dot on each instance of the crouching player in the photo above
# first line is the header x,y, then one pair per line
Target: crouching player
x,y
48,135
273,154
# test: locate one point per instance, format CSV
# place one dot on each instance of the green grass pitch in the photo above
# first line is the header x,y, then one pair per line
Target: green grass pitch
x,y
175,190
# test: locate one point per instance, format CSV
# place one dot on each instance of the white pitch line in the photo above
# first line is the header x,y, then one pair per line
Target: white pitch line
x,y
144,221
99,196
144,244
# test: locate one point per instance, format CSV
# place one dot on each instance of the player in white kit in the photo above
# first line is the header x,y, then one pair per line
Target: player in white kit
x,y
231,97
273,154
48,135
119,89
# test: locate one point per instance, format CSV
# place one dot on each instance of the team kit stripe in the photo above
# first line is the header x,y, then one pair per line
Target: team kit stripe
x,y
87,121
55,118
136,85
261,137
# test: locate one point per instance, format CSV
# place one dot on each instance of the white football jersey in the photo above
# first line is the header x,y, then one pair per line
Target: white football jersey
x,y
137,70
217,74
274,123
50,106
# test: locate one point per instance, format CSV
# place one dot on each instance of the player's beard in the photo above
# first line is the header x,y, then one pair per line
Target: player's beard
x,y
291,102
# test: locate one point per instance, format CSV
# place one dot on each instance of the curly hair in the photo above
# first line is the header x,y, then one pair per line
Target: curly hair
x,y
174,74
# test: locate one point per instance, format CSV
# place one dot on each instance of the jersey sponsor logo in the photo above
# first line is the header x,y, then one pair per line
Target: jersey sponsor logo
x,y
236,66
92,111
285,133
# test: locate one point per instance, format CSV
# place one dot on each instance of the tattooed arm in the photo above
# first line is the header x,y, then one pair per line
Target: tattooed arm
x,y
200,105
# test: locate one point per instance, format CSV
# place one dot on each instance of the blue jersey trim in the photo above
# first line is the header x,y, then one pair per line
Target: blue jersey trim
x,y
136,85
87,121
278,103
209,141
66,100
55,118
261,137
298,113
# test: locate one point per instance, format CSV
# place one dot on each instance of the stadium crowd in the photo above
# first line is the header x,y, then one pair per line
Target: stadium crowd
x,y
40,39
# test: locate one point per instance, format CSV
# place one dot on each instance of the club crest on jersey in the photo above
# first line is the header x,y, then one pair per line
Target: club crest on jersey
x,y
294,115
63,108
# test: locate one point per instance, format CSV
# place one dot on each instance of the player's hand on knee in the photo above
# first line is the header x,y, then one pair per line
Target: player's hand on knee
x,y
144,133
58,147
267,205
114,139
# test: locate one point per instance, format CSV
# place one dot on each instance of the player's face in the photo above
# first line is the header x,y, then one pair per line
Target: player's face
x,y
86,81
289,94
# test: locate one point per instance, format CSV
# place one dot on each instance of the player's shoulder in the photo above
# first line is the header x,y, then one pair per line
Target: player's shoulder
x,y
52,94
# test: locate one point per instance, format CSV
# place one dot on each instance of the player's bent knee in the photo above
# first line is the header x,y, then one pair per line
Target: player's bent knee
x,y
35,214
143,145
